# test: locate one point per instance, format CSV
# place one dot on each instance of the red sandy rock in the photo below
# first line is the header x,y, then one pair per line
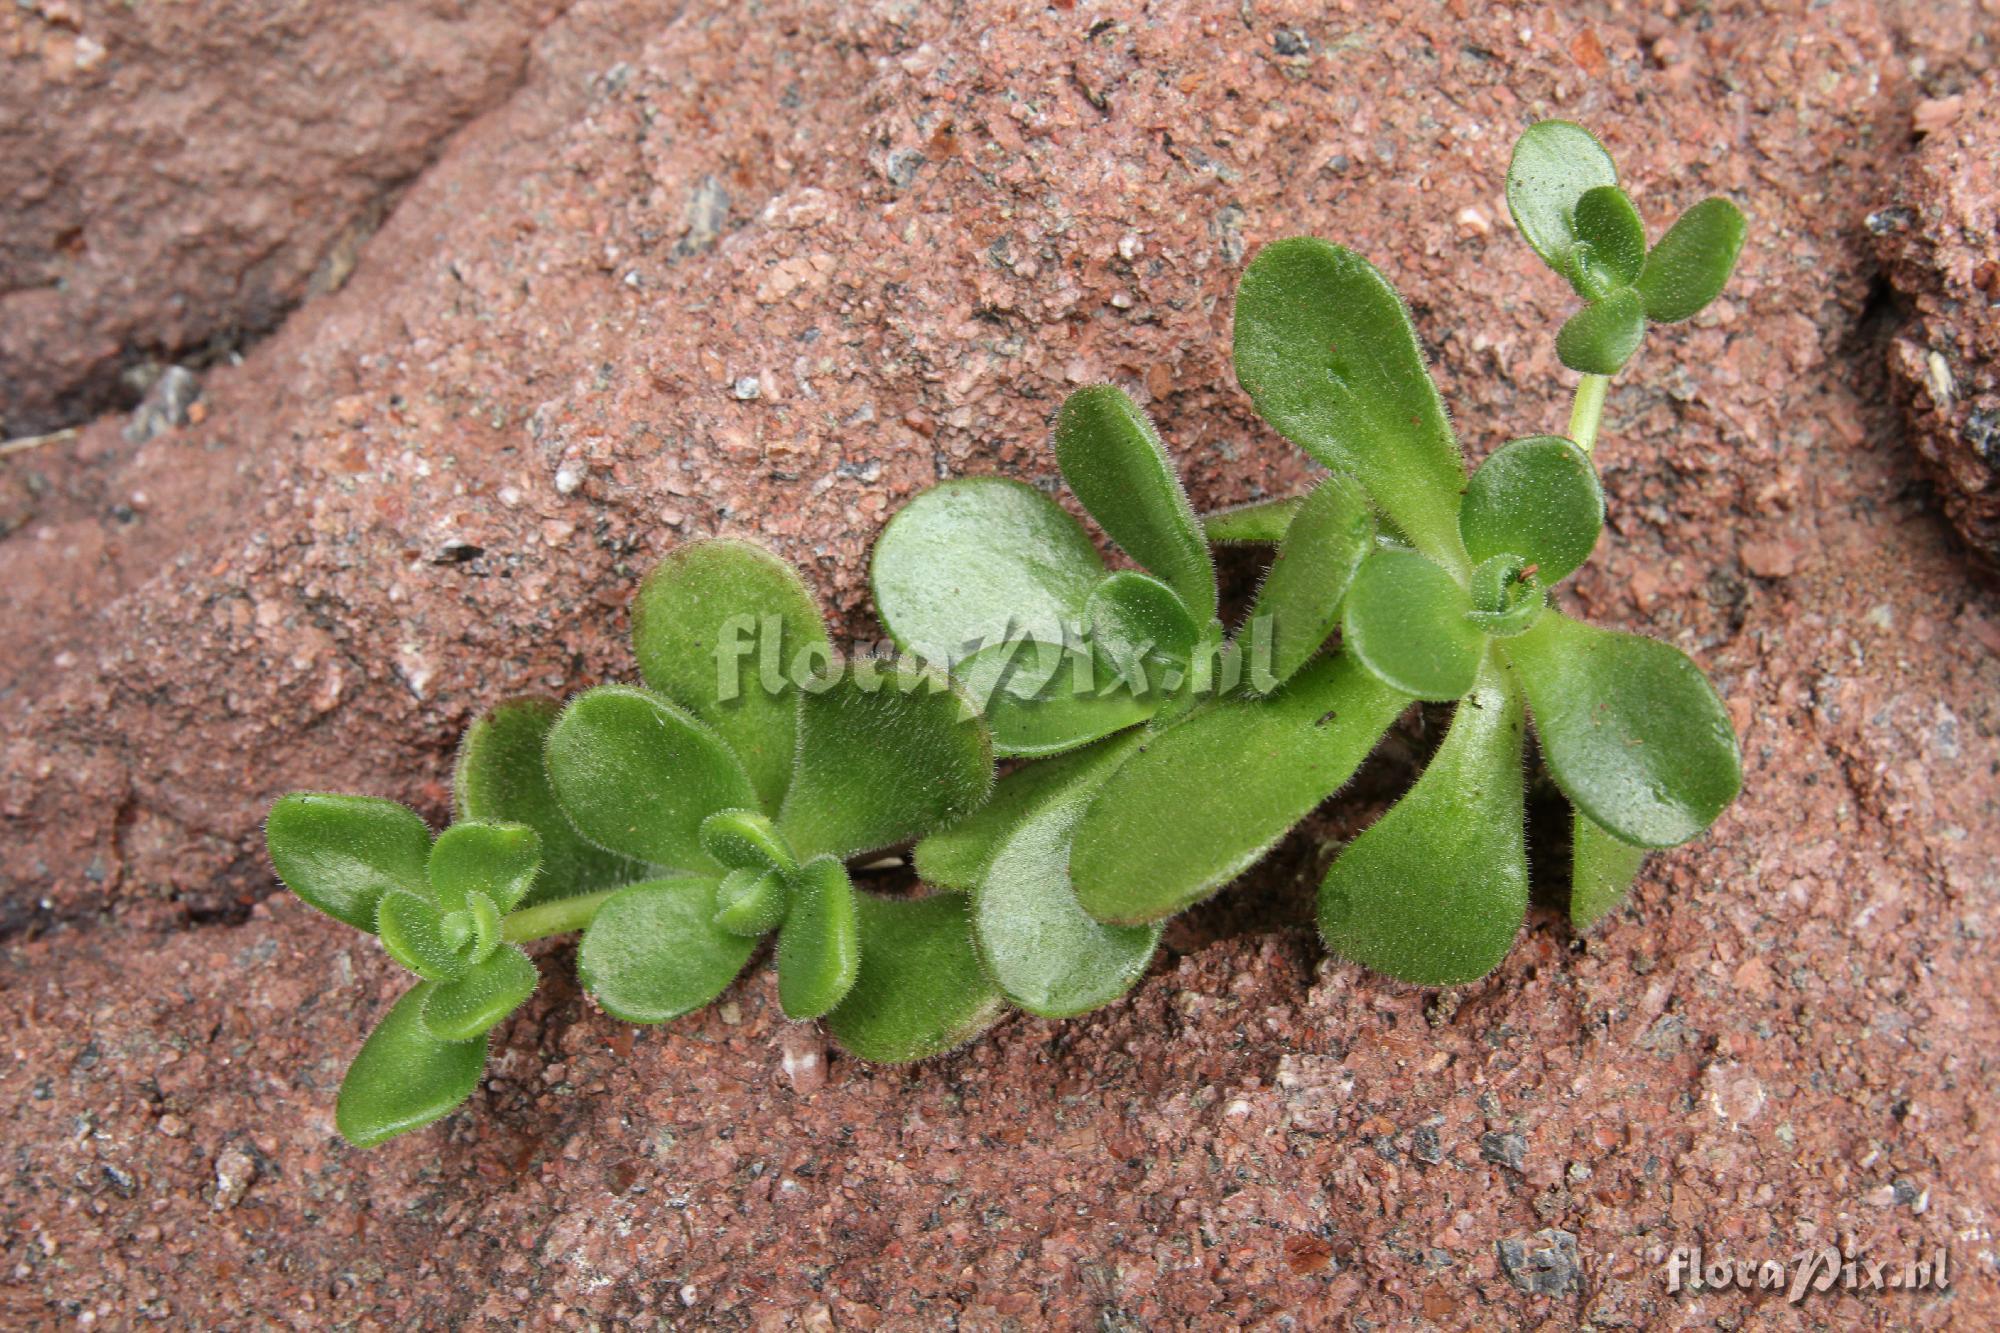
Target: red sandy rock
x,y
916,234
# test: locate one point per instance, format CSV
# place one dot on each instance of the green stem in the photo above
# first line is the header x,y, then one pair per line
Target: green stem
x,y
557,918
1588,410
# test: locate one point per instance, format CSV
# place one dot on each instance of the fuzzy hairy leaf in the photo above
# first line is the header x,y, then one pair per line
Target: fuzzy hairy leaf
x,y
751,902
1114,463
1327,352
1610,226
1034,704
498,860
1051,957
745,840
501,778
882,766
1555,164
475,1002
1332,530
1435,890
653,951
1630,729
1262,521
1601,872
1537,498
1139,622
956,856
411,928
638,775
1693,261
342,853
404,1078
705,618
1209,795
971,560
1599,339
920,991
819,946
1404,619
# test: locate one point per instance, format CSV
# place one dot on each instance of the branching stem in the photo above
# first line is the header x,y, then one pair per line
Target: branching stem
x,y
1588,410
557,918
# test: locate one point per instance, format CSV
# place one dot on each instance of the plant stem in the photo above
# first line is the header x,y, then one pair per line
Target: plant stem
x,y
1588,410
557,918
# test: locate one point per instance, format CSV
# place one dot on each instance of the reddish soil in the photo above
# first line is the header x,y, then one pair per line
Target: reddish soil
x,y
916,232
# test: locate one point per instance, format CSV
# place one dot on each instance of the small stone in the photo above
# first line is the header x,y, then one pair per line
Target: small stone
x,y
1472,221
569,478
747,389
1424,1144
803,1058
1770,560
235,1170
1543,1264
1504,1148
1290,42
173,1126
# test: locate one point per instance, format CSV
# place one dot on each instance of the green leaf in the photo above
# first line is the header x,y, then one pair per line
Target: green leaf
x,y
751,902
1042,698
1114,462
501,778
819,946
1141,626
1205,798
1630,729
412,931
1434,892
1537,498
498,860
489,991
1609,226
638,774
404,1078
342,853
653,951
745,840
956,857
1506,596
882,766
483,916
718,628
920,991
1601,872
1693,261
1263,521
1050,957
970,561
1404,619
1334,528
1327,352
1599,339
1555,164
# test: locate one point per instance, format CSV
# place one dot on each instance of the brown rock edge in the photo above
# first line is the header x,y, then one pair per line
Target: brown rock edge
x,y
914,232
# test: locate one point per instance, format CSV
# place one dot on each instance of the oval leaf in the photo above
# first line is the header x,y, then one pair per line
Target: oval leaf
x,y
501,777
342,853
1140,624
1327,352
489,991
1537,498
638,775
653,951
1404,619
956,857
1630,729
1609,225
970,562
1693,261
1042,698
1599,339
1209,795
498,860
1114,462
412,933
1555,164
404,1078
1434,891
721,627
745,840
920,991
1601,872
819,946
1332,531
1051,957
884,764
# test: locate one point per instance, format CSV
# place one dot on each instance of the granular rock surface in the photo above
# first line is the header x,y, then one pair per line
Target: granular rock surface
x,y
767,271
